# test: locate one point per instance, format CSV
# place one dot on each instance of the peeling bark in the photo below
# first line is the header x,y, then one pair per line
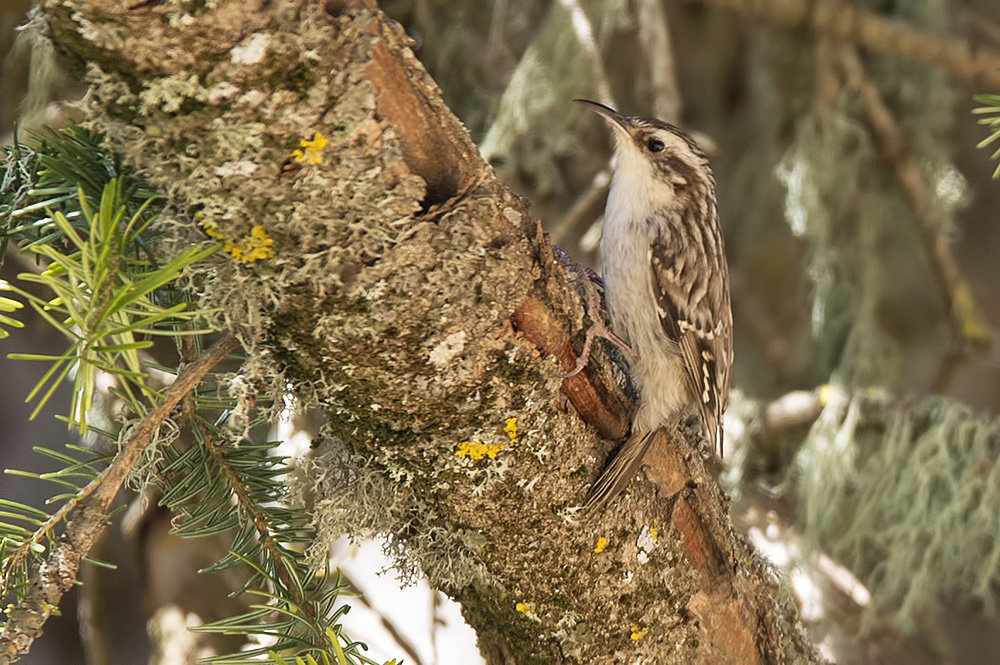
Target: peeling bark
x,y
415,299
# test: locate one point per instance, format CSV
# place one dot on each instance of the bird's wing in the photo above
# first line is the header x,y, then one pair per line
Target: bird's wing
x,y
689,280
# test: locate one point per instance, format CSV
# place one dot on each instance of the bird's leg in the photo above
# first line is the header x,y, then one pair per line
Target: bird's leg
x,y
597,327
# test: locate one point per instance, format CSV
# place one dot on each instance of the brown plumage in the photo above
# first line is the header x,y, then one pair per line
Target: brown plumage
x,y
667,286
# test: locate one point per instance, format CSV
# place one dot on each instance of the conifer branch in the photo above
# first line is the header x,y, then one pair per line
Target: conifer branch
x,y
57,573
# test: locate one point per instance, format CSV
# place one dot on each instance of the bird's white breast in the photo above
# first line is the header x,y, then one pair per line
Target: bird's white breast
x,y
625,264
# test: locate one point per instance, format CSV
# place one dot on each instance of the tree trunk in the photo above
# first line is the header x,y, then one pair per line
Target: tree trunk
x,y
413,297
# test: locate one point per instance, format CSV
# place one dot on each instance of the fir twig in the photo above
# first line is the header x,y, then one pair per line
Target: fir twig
x,y
990,112
56,574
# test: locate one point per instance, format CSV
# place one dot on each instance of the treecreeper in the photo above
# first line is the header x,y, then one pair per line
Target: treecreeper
x,y
666,283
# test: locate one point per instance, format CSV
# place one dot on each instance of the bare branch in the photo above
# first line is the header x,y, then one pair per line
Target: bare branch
x,y
954,288
584,210
654,36
584,31
877,34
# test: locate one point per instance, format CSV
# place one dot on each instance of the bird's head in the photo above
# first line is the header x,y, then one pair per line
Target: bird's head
x,y
655,160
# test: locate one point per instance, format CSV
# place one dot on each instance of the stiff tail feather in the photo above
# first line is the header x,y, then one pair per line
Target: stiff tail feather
x,y
617,475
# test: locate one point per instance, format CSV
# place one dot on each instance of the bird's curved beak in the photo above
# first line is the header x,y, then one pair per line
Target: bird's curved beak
x,y
616,119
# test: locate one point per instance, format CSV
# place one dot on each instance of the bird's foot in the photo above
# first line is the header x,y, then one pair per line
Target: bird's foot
x,y
597,327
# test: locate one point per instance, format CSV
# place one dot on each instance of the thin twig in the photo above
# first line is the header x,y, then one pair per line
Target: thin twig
x,y
401,640
583,210
56,574
954,289
654,36
828,84
584,31
878,34
767,425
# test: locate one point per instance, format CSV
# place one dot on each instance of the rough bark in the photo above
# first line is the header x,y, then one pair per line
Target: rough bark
x,y
415,298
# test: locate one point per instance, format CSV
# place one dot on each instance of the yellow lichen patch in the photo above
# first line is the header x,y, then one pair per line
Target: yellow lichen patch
x,y
478,449
638,633
527,610
511,428
601,544
256,246
310,150
212,230
248,248
653,531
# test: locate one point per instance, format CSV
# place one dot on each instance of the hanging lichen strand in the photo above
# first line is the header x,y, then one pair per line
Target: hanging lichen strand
x,y
889,495
910,508
827,172
862,232
530,130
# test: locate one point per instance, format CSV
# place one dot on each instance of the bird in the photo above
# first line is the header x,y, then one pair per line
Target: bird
x,y
666,283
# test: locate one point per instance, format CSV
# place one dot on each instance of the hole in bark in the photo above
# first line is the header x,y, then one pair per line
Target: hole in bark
x,y
433,144
335,7
437,194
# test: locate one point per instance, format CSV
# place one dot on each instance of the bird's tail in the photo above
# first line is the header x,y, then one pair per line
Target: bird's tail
x,y
617,475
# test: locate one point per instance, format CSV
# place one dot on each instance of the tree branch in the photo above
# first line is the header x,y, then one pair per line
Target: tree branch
x,y
968,321
654,36
583,30
866,29
413,296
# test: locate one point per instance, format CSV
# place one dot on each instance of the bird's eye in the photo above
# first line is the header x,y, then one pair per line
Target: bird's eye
x,y
655,145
